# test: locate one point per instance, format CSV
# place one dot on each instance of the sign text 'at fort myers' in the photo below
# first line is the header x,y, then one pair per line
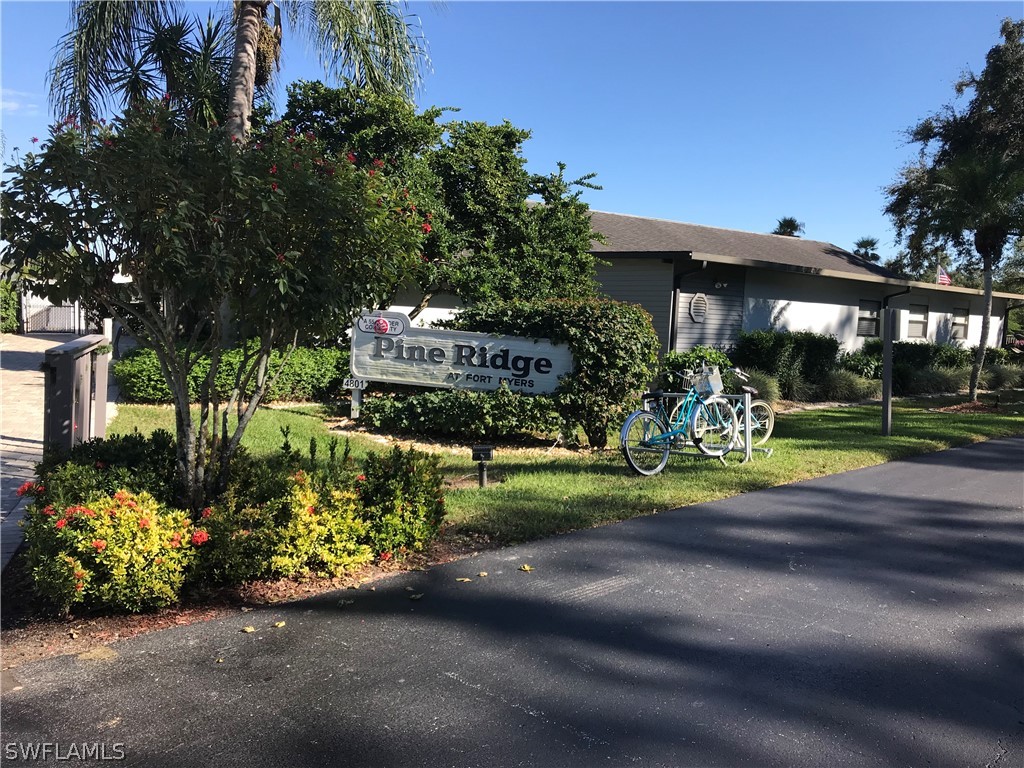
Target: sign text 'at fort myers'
x,y
386,347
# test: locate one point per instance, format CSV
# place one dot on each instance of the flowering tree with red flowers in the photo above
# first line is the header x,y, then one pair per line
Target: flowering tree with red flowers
x,y
160,223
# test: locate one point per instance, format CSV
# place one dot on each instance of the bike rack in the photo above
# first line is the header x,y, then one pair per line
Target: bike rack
x,y
748,449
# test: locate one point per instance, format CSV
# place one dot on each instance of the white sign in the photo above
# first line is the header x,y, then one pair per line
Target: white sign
x,y
386,347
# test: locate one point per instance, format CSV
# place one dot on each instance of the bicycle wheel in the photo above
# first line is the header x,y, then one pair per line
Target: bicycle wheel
x,y
713,426
762,422
645,453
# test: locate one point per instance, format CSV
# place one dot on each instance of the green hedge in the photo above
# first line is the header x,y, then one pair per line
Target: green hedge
x,y
8,308
461,413
795,359
310,374
614,347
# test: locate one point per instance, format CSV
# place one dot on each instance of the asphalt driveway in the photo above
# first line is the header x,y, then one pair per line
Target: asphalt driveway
x,y
872,618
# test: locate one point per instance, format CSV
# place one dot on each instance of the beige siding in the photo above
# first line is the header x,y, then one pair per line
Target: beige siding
x,y
647,282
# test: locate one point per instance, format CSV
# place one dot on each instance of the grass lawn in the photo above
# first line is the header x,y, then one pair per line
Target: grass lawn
x,y
538,492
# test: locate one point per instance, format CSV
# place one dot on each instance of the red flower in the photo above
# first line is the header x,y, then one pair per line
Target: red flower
x,y
208,511
280,258
40,489
311,509
143,522
427,227
49,511
99,544
79,575
35,139
385,556
175,541
108,143
79,587
273,169
61,523
350,157
200,537
378,163
234,139
273,186
361,478
371,172
27,487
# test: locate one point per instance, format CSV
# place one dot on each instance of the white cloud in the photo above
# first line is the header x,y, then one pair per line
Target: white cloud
x,y
20,102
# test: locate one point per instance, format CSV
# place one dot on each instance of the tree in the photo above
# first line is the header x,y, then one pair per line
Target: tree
x,y
370,40
488,239
291,239
788,226
966,190
866,248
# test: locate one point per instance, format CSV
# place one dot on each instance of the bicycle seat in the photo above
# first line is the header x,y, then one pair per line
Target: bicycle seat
x,y
658,393
753,392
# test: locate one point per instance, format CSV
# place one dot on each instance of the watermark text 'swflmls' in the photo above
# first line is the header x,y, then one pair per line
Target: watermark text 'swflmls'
x,y
54,750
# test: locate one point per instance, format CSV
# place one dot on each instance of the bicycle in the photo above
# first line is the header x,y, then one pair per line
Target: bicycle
x,y
762,415
703,419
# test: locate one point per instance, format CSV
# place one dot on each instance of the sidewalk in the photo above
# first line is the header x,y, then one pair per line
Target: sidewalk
x,y
21,426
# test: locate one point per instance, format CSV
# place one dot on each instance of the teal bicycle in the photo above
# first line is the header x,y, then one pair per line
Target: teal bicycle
x,y
701,418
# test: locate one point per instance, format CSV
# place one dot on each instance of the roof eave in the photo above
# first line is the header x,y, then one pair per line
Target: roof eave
x,y
841,275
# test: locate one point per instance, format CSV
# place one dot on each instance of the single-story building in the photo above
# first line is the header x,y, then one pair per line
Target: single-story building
x,y
703,285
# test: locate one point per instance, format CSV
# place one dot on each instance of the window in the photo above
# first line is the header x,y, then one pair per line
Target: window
x,y
959,323
917,325
867,318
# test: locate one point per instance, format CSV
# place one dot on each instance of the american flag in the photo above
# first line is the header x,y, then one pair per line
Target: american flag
x,y
942,278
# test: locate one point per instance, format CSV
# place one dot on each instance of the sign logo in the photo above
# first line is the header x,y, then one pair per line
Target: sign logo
x,y
391,325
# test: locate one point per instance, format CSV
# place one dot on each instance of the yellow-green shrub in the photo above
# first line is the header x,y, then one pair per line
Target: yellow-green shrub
x,y
124,552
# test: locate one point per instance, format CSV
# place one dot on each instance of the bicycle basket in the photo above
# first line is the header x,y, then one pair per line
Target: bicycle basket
x,y
708,382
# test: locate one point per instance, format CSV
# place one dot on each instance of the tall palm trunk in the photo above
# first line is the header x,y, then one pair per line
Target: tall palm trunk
x,y
242,84
989,243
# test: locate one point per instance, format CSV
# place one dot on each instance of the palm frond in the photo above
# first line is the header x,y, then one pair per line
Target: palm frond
x,y
369,41
102,36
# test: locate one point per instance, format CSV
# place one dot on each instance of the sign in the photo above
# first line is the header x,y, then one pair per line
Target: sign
x,y
483,453
386,347
354,383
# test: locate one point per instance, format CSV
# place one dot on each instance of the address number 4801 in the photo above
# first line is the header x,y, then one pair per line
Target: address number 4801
x,y
355,383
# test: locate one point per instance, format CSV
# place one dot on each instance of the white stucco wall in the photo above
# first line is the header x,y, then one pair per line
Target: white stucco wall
x,y
795,302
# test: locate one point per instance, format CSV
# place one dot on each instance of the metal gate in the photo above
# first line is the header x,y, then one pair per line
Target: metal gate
x,y
41,316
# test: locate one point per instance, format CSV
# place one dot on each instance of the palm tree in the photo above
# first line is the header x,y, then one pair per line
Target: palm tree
x,y
368,40
789,227
866,247
969,192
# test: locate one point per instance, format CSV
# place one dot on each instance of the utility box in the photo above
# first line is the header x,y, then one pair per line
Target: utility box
x,y
75,392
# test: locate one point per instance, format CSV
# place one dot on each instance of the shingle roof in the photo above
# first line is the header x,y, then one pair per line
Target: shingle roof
x,y
638,235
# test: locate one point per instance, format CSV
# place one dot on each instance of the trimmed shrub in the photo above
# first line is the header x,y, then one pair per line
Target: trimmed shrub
x,y
793,358
403,499
846,386
102,466
309,374
613,344
862,364
123,552
674,366
463,413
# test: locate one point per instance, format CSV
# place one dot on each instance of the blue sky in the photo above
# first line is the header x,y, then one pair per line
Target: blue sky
x,y
727,114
